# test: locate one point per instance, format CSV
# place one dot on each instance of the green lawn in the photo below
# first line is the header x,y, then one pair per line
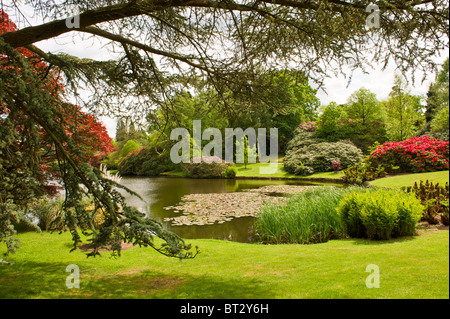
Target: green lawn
x,y
413,267
409,179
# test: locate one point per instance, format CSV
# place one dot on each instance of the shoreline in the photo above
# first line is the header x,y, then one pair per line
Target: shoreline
x,y
306,179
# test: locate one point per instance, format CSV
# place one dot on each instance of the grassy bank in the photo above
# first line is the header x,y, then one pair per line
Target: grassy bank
x,y
412,267
256,170
398,181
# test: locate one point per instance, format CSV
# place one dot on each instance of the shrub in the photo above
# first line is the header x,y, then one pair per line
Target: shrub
x,y
380,214
208,167
362,172
49,213
417,154
336,165
309,217
303,138
321,156
303,170
230,172
435,198
334,124
310,126
441,135
145,162
129,146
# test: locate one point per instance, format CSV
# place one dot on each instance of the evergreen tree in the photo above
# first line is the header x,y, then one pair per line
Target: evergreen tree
x,y
121,131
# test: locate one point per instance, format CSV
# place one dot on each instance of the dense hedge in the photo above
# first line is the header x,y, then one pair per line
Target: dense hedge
x,y
319,157
145,162
380,214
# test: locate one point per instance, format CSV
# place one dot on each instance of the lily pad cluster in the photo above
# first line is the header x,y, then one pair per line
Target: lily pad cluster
x,y
281,189
207,209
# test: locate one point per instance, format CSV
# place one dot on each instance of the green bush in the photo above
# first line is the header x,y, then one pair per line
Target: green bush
x,y
302,139
320,156
363,172
208,167
380,214
129,146
230,172
49,213
309,217
304,170
145,162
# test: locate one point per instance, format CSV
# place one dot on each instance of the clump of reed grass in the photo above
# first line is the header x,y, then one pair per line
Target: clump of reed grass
x,y
308,217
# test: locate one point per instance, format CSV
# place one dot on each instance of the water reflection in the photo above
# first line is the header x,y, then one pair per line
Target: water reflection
x,y
160,192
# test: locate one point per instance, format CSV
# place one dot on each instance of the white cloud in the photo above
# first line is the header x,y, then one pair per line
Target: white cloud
x,y
377,81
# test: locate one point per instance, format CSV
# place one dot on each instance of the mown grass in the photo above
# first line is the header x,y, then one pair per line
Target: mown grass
x,y
411,267
399,181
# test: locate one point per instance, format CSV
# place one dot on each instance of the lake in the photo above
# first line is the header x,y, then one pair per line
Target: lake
x,y
160,192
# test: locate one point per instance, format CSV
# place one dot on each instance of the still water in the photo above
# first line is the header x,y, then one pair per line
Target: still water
x,y
160,192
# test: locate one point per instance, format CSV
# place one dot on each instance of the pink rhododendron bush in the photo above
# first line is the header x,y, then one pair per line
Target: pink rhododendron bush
x,y
417,154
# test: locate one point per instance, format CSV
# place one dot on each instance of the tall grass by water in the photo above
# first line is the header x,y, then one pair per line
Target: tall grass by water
x,y
308,217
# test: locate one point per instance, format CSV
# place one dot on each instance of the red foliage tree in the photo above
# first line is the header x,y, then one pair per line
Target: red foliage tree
x,y
85,131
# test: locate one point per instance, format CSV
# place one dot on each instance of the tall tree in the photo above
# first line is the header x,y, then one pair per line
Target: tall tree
x,y
229,42
437,96
437,109
279,98
334,123
404,111
370,115
363,105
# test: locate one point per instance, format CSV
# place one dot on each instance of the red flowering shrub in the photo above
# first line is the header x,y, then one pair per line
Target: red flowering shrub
x,y
417,154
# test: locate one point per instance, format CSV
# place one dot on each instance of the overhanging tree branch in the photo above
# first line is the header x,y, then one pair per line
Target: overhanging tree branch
x,y
53,29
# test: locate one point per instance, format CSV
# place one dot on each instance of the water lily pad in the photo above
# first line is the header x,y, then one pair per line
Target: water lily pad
x,y
207,209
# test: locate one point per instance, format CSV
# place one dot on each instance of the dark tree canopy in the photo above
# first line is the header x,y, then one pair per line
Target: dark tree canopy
x,y
228,42
164,44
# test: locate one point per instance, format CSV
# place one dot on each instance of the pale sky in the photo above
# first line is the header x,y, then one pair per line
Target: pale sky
x,y
338,90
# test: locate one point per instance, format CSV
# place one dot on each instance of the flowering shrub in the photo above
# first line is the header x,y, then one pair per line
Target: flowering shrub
x,y
417,154
320,157
336,166
307,126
